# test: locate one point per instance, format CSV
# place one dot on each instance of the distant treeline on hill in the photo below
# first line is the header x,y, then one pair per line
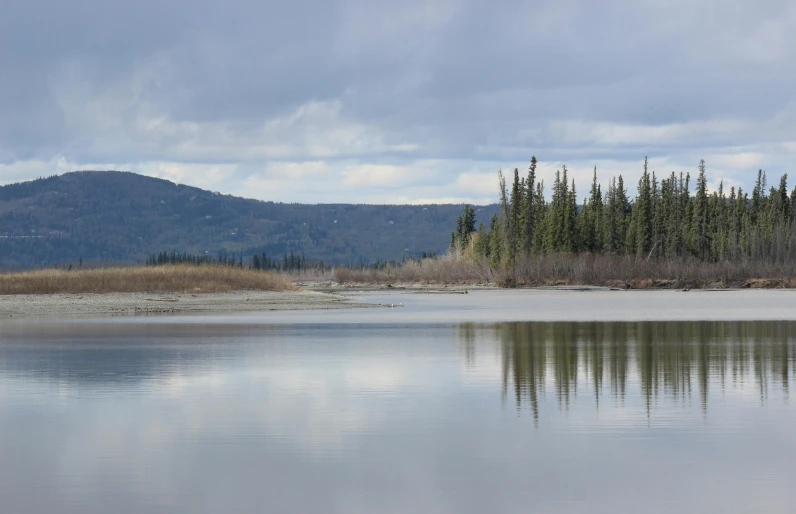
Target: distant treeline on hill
x,y
288,262
665,220
119,217
291,262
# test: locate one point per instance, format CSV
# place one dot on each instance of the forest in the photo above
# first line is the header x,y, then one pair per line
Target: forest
x,y
665,221
123,218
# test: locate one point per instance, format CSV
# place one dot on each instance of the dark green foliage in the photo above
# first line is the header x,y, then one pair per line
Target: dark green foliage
x,y
481,247
292,262
643,210
616,214
465,226
516,236
700,238
591,227
501,248
495,240
560,223
663,221
529,208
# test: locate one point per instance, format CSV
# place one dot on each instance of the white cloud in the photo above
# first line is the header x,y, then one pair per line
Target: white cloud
x,y
298,170
371,97
376,175
604,133
211,176
472,181
744,161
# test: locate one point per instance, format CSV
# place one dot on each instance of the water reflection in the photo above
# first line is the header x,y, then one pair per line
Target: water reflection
x,y
121,355
669,361
362,418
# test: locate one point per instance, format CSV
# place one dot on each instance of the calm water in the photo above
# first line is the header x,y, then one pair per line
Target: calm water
x,y
407,410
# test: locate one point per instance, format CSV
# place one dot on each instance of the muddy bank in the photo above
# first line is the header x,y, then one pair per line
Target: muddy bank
x,y
60,305
636,284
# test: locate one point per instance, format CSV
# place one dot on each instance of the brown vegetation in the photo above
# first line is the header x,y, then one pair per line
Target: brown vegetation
x,y
161,279
632,272
624,271
442,270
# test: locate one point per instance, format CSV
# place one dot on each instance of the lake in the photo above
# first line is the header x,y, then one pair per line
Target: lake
x,y
491,402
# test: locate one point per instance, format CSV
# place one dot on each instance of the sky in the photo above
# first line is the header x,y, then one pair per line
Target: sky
x,y
372,101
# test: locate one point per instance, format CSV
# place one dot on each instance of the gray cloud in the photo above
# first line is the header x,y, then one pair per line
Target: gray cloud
x,y
245,96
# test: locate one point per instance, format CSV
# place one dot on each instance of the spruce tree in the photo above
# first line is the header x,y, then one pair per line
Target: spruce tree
x,y
610,219
539,216
570,219
663,221
528,214
700,220
481,247
504,219
658,228
515,237
591,213
783,206
495,240
643,215
555,215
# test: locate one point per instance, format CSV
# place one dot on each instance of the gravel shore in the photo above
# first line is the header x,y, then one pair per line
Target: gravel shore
x,y
60,305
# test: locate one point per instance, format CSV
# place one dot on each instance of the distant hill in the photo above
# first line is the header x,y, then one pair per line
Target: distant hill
x,y
121,216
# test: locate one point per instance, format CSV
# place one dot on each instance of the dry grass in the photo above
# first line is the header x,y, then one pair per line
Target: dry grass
x,y
584,269
441,270
638,273
160,279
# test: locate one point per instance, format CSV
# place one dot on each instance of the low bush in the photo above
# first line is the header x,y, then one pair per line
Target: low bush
x,y
580,269
176,278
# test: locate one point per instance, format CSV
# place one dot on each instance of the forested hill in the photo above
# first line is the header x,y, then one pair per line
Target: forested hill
x,y
121,216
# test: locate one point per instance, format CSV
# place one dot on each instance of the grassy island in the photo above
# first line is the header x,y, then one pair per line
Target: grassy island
x,y
150,279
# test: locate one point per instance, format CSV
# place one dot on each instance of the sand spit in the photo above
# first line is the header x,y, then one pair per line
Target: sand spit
x,y
61,305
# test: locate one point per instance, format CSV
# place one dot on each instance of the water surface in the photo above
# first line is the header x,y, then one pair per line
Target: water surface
x,y
391,411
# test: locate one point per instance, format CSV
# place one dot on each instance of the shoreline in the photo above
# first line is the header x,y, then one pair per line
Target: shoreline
x,y
330,286
313,295
137,304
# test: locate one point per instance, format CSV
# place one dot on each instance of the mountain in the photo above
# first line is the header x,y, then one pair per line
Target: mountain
x,y
122,216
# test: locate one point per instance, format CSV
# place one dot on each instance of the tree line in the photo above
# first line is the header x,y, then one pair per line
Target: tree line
x,y
290,262
261,262
124,217
665,220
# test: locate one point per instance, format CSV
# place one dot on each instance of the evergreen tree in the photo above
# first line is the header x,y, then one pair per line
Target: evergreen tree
x,y
663,221
528,214
699,235
539,216
465,226
658,227
504,219
515,236
643,215
616,216
481,246
570,243
553,224
592,238
495,241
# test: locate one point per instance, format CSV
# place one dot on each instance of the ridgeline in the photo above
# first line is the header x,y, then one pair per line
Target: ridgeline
x,y
122,217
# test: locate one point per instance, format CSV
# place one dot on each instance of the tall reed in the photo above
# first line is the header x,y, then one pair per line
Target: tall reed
x,y
156,279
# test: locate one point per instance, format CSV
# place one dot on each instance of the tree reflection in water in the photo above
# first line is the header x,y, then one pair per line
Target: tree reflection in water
x,y
669,360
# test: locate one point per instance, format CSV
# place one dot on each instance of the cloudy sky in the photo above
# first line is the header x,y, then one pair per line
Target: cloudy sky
x,y
385,101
